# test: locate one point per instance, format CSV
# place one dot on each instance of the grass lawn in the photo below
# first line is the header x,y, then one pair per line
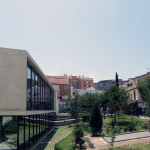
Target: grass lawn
x,y
134,147
21,125
66,143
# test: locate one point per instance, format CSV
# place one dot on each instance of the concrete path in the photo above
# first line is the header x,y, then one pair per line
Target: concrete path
x,y
99,143
4,146
128,136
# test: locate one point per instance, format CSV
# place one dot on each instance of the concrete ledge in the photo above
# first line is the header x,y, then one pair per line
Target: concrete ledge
x,y
64,122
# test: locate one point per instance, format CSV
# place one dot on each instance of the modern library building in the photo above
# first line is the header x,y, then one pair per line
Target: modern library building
x,y
27,100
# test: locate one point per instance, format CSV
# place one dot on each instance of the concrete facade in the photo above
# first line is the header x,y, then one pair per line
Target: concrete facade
x,y
13,82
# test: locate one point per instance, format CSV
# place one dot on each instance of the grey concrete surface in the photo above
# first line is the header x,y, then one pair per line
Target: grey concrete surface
x,y
4,146
128,136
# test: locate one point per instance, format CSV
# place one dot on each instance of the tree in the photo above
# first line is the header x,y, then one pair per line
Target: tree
x,y
79,134
121,105
144,90
114,97
117,80
105,98
96,121
73,103
86,103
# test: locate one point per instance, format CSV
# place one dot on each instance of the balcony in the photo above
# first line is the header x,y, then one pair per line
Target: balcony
x,y
131,87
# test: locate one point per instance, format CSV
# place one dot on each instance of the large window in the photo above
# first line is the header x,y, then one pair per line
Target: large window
x,y
75,83
66,87
40,96
32,76
29,83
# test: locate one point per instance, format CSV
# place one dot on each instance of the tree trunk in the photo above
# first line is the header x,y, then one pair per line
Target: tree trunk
x,y
104,113
115,117
149,117
75,132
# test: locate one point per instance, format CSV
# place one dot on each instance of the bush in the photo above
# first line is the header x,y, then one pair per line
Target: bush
x,y
126,128
79,134
131,127
10,126
119,129
96,121
85,127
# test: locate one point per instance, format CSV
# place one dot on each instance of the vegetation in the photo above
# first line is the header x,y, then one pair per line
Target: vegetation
x,y
66,142
134,147
105,99
86,102
124,123
96,121
144,89
80,134
74,112
10,126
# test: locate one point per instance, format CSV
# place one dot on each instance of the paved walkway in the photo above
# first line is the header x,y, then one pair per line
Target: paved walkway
x,y
4,146
54,137
128,136
98,143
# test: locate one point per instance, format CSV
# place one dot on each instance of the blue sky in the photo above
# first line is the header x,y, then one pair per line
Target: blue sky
x,y
93,38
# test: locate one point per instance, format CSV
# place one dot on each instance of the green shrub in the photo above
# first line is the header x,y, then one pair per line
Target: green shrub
x,y
79,134
131,127
10,126
126,128
119,129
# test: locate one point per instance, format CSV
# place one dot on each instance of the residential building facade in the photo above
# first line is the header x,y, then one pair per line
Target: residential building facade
x,y
106,84
66,83
131,89
83,91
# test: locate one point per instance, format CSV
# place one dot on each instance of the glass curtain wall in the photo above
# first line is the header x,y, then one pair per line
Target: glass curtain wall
x,y
31,129
29,83
32,76
39,93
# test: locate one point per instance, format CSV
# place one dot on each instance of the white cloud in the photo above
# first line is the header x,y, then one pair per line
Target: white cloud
x,y
53,74
91,75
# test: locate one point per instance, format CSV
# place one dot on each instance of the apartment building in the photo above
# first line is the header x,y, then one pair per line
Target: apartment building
x,y
106,84
96,86
131,88
82,91
26,96
67,83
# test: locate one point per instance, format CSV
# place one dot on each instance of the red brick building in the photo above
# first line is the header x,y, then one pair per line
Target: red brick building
x,y
67,82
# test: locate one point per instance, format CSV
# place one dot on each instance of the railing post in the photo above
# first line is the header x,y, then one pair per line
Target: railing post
x,y
36,127
24,134
17,132
29,131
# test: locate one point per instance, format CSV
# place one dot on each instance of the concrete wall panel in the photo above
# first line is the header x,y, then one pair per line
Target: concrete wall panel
x,y
13,80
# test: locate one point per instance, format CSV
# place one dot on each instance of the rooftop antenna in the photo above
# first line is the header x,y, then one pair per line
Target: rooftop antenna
x,y
62,67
